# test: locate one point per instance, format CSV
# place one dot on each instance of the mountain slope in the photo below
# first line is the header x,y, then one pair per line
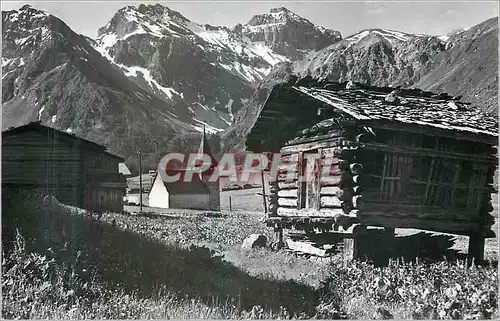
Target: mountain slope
x,y
375,56
469,67
52,74
287,33
150,80
461,63
211,68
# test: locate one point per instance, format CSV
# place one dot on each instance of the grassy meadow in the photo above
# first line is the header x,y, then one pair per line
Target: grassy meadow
x,y
61,263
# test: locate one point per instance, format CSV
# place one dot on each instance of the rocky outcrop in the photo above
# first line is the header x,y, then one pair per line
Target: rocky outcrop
x,y
253,241
469,67
287,33
375,56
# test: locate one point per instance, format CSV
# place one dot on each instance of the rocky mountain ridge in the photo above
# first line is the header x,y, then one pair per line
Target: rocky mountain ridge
x,y
153,78
464,62
287,34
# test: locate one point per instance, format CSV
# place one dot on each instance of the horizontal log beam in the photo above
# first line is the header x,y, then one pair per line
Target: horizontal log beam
x,y
328,222
288,185
289,158
489,159
311,146
329,190
330,201
289,202
306,212
293,193
315,138
330,180
461,228
287,177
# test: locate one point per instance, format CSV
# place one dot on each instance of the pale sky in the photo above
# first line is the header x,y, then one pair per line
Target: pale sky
x,y
348,17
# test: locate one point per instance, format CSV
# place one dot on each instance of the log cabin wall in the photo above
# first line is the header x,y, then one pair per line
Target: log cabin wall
x,y
105,184
405,158
416,180
386,178
74,171
322,188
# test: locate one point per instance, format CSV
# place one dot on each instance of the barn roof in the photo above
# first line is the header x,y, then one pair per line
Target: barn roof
x,y
37,126
293,108
412,107
195,186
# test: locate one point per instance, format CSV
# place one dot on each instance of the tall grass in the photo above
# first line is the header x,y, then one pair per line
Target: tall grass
x,y
445,290
71,281
35,287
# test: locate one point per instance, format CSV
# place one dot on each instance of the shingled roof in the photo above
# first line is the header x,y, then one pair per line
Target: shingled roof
x,y
58,134
407,107
296,107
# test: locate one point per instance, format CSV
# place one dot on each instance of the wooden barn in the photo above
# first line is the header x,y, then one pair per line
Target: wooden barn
x,y
199,193
76,171
394,158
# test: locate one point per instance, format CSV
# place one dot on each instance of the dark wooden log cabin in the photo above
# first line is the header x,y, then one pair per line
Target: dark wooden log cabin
x,y
76,171
399,159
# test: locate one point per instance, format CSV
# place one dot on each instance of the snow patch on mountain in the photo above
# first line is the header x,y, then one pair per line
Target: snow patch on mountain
x,y
389,35
6,61
138,72
40,112
208,128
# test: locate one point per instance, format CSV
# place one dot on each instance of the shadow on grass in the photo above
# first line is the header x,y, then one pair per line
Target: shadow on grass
x,y
376,247
144,265
132,262
425,246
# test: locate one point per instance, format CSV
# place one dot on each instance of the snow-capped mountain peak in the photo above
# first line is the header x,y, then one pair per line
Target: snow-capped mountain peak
x,y
154,20
180,60
275,16
25,14
22,30
287,33
389,35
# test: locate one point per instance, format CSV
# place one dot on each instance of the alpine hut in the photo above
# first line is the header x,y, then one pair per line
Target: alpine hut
x,y
76,171
395,158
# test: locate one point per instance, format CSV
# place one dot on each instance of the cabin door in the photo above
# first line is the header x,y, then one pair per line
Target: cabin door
x,y
312,176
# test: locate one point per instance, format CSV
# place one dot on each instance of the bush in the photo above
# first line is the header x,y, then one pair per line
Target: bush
x,y
413,291
34,286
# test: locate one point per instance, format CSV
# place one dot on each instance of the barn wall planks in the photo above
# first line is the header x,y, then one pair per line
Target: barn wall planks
x,y
77,173
393,176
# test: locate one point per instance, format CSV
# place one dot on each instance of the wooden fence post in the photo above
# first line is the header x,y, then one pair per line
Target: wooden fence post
x,y
263,192
476,249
